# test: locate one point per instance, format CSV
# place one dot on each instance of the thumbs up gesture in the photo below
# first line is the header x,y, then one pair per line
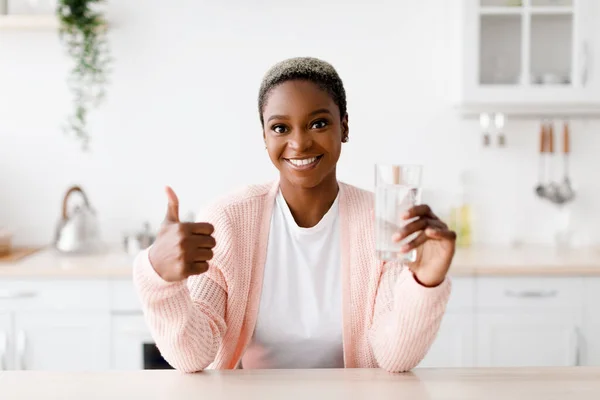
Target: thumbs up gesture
x,y
181,249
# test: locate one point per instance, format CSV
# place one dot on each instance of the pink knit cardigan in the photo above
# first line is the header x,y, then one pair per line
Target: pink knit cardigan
x,y
389,320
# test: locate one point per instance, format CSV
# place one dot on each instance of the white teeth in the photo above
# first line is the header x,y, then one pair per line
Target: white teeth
x,y
306,161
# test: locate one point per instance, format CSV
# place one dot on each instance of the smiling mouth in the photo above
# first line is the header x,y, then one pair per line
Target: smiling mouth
x,y
302,164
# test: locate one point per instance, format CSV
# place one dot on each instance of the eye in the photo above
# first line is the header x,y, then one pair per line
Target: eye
x,y
319,124
279,129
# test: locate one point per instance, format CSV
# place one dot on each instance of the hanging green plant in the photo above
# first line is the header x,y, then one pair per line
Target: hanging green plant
x,y
83,31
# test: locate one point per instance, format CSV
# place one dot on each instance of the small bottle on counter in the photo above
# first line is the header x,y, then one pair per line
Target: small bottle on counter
x,y
460,220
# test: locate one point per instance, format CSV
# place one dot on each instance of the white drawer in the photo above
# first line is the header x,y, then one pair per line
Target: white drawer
x,y
124,297
462,295
47,294
529,292
592,293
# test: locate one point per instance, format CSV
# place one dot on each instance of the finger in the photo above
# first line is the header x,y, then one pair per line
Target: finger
x,y
173,206
421,210
418,241
438,224
198,268
437,229
201,242
437,233
198,228
200,255
410,228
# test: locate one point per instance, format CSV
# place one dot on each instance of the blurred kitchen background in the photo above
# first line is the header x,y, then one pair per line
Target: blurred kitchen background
x,y
463,87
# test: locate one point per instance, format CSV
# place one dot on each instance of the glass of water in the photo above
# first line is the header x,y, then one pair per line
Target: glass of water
x,y
397,189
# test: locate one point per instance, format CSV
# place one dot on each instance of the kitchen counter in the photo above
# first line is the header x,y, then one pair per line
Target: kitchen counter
x,y
475,261
526,260
50,263
350,384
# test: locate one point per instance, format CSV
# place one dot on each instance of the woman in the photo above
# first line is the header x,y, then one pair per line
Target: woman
x,y
284,275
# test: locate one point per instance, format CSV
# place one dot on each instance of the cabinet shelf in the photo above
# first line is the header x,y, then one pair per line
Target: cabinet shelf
x,y
532,111
547,10
557,10
28,22
501,10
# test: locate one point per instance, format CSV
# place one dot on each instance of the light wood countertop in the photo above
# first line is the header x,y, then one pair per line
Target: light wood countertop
x,y
526,260
475,261
350,384
49,263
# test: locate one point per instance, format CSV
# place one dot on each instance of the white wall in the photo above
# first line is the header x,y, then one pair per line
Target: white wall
x,y
181,110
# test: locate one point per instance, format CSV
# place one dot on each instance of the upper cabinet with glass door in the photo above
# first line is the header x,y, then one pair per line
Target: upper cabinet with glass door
x,y
531,56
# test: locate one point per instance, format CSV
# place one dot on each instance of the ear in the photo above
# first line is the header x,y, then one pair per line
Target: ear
x,y
345,129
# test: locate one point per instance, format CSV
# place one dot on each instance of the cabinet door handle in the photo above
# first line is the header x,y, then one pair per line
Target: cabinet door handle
x,y
531,294
21,350
16,294
3,350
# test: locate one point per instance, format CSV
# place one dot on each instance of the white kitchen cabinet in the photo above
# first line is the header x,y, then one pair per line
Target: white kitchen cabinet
x,y
123,297
515,321
531,294
56,324
591,322
6,354
528,321
530,57
62,341
490,321
132,345
453,346
129,337
521,339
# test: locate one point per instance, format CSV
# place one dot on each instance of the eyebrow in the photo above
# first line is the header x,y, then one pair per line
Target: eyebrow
x,y
319,111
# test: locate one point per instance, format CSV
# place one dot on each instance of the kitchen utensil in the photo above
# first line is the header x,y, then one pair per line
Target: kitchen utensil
x,y
551,189
565,190
138,241
484,122
77,231
540,189
499,121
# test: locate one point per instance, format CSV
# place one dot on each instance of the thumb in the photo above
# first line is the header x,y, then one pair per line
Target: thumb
x,y
173,206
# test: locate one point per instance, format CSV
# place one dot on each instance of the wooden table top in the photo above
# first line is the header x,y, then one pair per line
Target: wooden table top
x,y
330,384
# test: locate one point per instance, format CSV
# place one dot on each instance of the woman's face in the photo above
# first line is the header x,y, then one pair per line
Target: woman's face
x,y
303,132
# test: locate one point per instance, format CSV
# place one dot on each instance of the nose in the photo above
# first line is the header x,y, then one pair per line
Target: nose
x,y
300,141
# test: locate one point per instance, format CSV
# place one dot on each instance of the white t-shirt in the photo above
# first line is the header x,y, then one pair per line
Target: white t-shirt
x,y
299,323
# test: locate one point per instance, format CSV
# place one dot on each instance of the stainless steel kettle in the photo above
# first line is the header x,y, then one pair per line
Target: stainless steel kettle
x,y
78,231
